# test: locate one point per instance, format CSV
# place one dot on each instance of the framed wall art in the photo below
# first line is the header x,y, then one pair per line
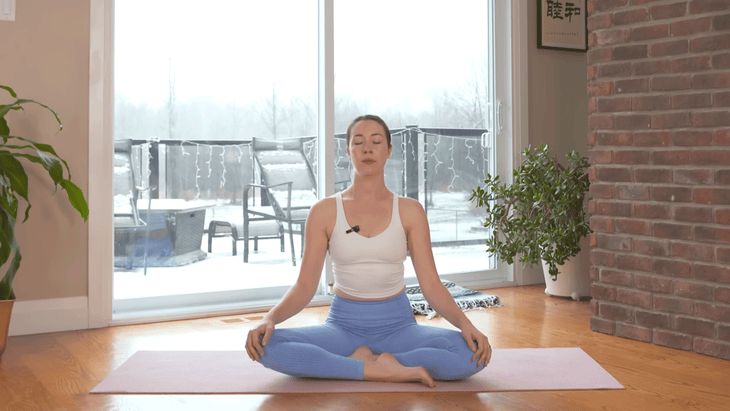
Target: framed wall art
x,y
562,25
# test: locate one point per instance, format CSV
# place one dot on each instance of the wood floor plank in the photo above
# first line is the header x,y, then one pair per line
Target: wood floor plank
x,y
56,371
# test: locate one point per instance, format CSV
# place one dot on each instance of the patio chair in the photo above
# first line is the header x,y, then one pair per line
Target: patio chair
x,y
127,222
288,189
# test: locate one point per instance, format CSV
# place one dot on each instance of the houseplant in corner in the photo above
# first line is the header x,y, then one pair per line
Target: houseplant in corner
x,y
540,216
15,154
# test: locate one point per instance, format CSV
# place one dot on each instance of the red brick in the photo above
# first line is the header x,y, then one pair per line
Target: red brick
x,y
722,295
723,255
621,18
593,273
603,191
668,11
672,194
674,231
601,258
596,122
632,52
712,311
712,196
689,27
672,268
711,119
646,68
672,340
648,103
652,319
636,227
616,277
643,33
651,139
723,332
633,332
693,138
722,137
631,157
599,22
599,55
691,64
632,192
615,312
632,86
670,120
710,81
633,297
721,60
692,290
692,176
711,157
721,22
601,225
614,174
613,139
694,326
653,175
712,273
613,104
653,283
693,214
669,48
603,292
651,211
633,122
712,348
722,177
600,156
673,305
687,101
671,157
721,99
594,306
710,43
613,242
633,263
614,209
712,234
599,89
692,251
650,247
601,325
722,216
614,70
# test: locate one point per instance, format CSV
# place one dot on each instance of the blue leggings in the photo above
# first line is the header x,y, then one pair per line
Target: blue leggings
x,y
383,326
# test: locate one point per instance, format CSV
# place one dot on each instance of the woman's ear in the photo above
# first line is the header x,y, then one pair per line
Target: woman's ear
x,y
390,150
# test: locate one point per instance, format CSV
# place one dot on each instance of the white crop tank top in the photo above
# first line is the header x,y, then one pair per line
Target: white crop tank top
x,y
368,267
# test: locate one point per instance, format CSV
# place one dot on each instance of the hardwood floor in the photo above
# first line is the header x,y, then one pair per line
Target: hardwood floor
x,y
56,371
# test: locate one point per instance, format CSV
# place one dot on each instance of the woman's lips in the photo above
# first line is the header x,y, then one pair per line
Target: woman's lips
x,y
368,161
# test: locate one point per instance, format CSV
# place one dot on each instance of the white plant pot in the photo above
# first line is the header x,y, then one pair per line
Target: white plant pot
x,y
574,278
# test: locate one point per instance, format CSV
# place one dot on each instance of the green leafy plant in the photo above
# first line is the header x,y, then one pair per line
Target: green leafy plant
x,y
541,214
14,185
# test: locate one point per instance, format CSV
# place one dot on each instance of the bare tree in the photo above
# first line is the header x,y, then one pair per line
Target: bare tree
x,y
270,112
171,102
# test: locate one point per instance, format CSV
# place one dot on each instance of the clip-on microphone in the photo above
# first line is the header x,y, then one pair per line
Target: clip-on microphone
x,y
353,228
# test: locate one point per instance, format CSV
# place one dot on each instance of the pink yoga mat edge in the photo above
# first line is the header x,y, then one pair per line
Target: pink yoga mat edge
x,y
232,372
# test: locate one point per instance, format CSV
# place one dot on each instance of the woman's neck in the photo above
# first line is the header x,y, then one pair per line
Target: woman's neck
x,y
368,188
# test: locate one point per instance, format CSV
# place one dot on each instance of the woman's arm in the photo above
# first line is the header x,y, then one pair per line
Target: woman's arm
x,y
302,291
418,235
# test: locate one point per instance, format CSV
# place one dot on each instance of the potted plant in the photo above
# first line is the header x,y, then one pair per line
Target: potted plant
x,y
15,154
540,216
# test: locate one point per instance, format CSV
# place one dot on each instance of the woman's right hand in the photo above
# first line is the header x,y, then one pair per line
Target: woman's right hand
x,y
254,343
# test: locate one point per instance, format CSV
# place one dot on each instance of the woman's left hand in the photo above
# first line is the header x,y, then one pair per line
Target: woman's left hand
x,y
478,344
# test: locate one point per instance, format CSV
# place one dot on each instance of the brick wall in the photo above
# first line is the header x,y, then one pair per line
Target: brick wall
x,y
659,130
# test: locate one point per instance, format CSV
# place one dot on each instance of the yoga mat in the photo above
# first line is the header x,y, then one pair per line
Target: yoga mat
x,y
232,372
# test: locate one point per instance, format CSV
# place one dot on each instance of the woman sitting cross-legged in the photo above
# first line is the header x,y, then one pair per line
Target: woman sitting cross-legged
x,y
370,332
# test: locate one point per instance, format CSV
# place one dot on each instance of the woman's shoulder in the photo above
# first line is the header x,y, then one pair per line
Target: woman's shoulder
x,y
411,211
325,206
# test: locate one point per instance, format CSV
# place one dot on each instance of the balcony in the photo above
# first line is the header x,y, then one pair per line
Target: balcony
x,y
439,167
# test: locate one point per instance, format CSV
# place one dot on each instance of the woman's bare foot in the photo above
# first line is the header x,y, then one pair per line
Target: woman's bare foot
x,y
387,368
364,354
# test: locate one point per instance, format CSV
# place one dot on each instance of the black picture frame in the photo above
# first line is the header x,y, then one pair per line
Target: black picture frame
x,y
567,34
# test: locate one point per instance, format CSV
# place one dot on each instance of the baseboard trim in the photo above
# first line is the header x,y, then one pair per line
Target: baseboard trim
x,y
51,315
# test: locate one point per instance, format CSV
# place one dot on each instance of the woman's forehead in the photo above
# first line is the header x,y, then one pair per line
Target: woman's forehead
x,y
367,127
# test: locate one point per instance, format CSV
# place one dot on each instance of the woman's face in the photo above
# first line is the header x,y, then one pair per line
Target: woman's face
x,y
368,149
